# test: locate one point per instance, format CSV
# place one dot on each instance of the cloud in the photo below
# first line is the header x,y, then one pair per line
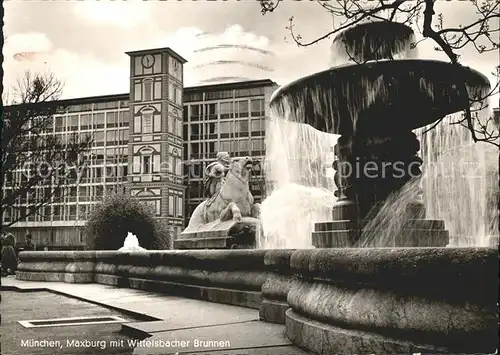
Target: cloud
x,y
27,42
85,46
233,52
82,75
122,14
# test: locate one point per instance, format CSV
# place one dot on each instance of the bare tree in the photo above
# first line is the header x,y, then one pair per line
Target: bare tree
x,y
482,33
36,164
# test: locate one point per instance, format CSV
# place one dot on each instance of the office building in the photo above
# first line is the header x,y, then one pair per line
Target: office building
x,y
152,143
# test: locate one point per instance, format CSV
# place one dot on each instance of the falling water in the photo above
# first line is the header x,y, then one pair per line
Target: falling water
x,y
299,183
388,223
460,183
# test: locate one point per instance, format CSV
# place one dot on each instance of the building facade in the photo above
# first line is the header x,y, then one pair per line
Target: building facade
x,y
151,143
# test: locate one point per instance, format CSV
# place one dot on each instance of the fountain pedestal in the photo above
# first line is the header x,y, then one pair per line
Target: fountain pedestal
x,y
377,179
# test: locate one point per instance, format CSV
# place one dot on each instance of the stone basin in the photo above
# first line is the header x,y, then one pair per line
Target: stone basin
x,y
384,96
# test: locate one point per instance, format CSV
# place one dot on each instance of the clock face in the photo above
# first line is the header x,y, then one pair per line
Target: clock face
x,y
148,60
175,65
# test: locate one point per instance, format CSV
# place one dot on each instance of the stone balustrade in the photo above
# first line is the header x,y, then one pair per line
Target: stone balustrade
x,y
401,300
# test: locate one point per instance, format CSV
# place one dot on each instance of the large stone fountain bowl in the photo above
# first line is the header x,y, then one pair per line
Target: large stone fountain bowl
x,y
379,96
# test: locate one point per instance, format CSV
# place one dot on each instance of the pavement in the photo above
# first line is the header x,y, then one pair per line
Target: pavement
x,y
175,325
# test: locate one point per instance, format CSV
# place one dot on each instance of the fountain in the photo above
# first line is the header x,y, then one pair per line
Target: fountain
x,y
131,243
374,104
381,279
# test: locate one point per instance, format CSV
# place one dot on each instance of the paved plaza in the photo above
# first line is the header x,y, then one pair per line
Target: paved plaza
x,y
165,324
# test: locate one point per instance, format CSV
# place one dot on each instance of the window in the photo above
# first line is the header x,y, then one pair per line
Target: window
x,y
178,95
179,207
59,124
225,146
85,121
157,123
123,118
257,144
211,111
171,205
157,90
226,110
57,212
137,124
243,108
147,122
148,89
257,107
99,120
125,135
73,123
157,205
171,164
146,164
179,128
256,125
171,92
195,112
111,119
195,130
99,138
137,65
72,212
243,126
243,146
210,128
156,163
225,127
136,165
110,137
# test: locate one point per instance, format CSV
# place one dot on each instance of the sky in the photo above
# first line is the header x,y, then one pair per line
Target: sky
x,y
84,42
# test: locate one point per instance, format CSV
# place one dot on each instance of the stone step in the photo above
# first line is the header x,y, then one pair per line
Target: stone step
x,y
347,224
408,238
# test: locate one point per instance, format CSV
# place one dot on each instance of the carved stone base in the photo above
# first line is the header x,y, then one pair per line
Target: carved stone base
x,y
419,233
221,235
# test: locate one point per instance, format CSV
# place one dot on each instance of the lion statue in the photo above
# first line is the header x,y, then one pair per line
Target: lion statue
x,y
232,200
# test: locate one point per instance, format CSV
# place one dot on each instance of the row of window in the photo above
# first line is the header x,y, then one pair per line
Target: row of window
x,y
88,121
223,94
151,89
225,110
109,105
148,122
81,211
199,130
227,145
151,164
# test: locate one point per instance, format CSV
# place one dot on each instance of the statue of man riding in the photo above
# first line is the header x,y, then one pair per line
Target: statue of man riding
x,y
229,208
215,173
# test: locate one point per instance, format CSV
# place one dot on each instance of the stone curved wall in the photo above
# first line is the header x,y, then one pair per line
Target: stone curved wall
x,y
394,300
401,300
225,276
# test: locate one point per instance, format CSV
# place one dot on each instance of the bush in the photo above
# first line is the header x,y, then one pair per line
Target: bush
x,y
117,215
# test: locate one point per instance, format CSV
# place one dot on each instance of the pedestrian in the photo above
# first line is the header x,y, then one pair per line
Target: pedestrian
x,y
9,258
29,245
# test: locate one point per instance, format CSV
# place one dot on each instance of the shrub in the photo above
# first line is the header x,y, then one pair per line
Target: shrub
x,y
119,214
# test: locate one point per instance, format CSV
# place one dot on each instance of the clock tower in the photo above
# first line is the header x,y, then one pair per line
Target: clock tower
x,y
156,134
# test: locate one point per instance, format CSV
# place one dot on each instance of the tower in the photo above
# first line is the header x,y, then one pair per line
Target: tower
x,y
156,143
